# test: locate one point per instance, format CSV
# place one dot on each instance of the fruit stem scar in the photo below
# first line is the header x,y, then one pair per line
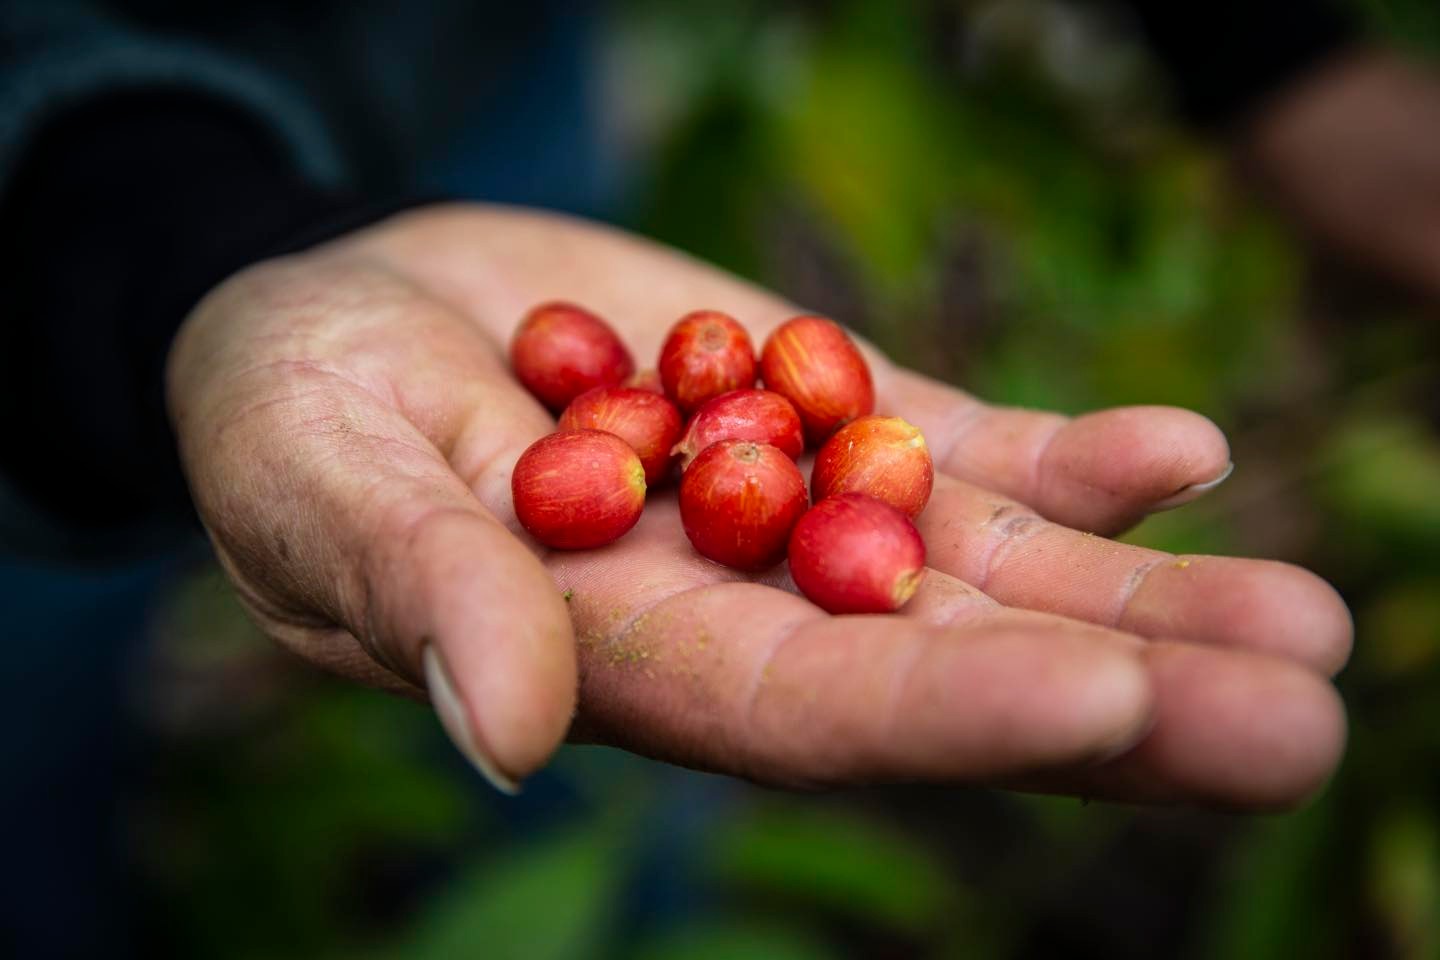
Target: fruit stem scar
x,y
714,337
906,585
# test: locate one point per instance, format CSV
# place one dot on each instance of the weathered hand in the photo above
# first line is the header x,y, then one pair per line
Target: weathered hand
x,y
349,424
1353,154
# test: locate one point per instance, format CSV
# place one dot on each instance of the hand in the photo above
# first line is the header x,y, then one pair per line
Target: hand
x,y
349,423
1353,154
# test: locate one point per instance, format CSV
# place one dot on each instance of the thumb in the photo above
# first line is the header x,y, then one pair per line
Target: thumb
x,y
464,608
349,534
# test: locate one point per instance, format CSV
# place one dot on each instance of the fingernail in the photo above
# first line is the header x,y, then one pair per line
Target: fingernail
x,y
1125,744
456,721
1195,491
1125,690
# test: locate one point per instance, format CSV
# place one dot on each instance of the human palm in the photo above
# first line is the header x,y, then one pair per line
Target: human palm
x,y
348,424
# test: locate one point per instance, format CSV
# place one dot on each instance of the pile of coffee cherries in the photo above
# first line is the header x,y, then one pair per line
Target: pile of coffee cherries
x,y
743,500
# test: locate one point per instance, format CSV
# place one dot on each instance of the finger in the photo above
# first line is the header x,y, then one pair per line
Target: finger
x,y
1259,605
324,481
688,662
1231,729
1024,561
461,597
1101,471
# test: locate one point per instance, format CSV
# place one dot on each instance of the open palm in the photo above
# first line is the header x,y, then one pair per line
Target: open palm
x,y
349,424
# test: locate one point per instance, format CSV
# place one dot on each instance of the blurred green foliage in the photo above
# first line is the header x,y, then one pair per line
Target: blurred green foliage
x,y
547,901
838,863
1038,228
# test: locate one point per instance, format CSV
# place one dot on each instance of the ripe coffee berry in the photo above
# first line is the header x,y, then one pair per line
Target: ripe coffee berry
x,y
760,416
816,366
647,421
739,501
560,350
578,488
884,457
707,353
854,554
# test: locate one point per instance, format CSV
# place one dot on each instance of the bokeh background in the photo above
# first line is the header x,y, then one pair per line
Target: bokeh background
x,y
1000,194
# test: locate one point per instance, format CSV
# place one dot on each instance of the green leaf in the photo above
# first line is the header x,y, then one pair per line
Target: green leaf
x,y
841,861
1270,901
551,900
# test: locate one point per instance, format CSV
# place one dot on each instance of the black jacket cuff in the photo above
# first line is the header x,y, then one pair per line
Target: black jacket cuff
x,y
122,214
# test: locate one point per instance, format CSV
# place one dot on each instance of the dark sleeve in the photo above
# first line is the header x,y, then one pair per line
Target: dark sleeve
x,y
1225,57
114,142
118,217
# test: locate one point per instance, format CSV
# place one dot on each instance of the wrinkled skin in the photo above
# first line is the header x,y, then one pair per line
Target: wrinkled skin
x,y
348,425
